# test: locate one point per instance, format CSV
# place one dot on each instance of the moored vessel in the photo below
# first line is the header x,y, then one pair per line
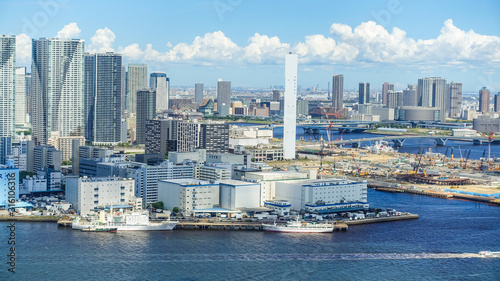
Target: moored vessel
x,y
299,227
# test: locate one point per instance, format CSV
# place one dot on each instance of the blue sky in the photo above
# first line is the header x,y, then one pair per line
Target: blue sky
x,y
245,41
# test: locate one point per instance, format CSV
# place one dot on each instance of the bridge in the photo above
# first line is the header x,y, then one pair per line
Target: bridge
x,y
348,129
399,140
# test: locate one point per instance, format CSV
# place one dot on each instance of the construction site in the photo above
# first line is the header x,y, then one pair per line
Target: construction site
x,y
383,167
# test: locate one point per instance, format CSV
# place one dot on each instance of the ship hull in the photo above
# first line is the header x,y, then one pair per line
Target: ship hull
x,y
162,227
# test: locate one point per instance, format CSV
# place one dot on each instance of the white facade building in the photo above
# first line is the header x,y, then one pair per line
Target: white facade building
x,y
57,79
324,196
86,194
188,194
290,110
35,183
7,86
236,194
20,105
147,177
268,181
282,207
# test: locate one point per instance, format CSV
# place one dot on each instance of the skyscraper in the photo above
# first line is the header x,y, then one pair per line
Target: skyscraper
x,y
290,110
394,99
57,88
338,91
455,99
159,82
431,93
364,93
410,95
276,95
484,100
137,79
28,95
496,102
103,97
223,94
20,98
198,93
146,109
214,137
7,84
386,87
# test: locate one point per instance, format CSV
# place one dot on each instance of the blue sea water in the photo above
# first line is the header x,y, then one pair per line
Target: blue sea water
x,y
437,246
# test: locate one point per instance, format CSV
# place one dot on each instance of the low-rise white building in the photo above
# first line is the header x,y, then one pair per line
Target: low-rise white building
x,y
215,171
324,196
87,194
35,183
268,181
188,194
282,207
235,194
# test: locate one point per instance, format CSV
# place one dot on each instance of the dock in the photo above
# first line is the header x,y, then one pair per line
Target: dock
x,y
383,219
435,193
220,225
65,221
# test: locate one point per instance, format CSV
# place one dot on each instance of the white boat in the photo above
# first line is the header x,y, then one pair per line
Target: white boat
x,y
138,221
490,254
299,227
123,222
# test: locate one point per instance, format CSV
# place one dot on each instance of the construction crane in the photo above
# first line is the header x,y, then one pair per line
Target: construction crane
x,y
328,129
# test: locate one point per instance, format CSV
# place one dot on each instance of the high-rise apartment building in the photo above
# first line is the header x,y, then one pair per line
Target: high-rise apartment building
x,y
223,95
137,79
496,102
7,85
338,91
46,156
364,93
214,137
410,95
103,97
276,95
5,149
198,93
157,132
431,92
146,109
20,97
394,99
386,87
159,82
57,88
28,95
484,100
290,110
455,99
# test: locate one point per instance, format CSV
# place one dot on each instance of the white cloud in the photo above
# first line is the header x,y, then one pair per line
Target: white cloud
x,y
102,41
366,45
133,52
23,49
69,31
263,49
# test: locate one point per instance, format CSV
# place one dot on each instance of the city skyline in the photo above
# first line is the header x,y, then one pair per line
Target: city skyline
x,y
376,44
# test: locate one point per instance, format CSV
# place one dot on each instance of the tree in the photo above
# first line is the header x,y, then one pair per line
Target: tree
x,y
158,205
175,209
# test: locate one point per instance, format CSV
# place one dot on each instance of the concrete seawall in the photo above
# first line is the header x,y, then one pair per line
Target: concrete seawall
x,y
383,219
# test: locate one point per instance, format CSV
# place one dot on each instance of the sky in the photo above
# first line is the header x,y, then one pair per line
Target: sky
x,y
245,41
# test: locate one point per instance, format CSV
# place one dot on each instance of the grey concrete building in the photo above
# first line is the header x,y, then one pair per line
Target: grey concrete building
x,y
146,109
103,97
